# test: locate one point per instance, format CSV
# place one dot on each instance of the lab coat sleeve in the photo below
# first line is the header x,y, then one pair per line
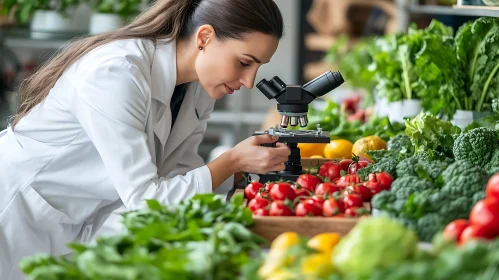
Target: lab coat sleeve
x,y
191,159
110,101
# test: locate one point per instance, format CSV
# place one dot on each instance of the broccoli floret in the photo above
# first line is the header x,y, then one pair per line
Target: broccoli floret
x,y
462,169
431,155
476,146
493,164
406,167
432,169
400,144
428,226
378,155
407,185
381,200
463,179
387,202
429,170
464,186
458,208
384,165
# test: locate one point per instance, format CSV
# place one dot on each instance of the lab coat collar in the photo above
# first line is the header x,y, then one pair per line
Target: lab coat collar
x,y
164,68
163,78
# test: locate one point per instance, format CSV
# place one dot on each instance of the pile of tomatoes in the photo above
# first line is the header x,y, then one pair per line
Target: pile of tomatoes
x,y
483,222
336,191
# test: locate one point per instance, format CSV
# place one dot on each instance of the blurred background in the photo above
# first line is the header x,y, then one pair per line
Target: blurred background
x,y
320,35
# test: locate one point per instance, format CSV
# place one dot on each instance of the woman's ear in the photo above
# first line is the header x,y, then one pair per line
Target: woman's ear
x,y
204,35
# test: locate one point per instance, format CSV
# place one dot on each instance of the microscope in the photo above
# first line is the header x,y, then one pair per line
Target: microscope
x,y
293,102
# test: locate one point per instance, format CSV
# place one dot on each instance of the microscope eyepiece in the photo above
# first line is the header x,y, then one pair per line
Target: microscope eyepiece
x,y
324,83
273,88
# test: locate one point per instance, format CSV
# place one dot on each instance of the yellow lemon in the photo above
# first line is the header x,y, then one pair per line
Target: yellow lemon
x,y
316,156
311,149
338,149
285,240
370,143
317,265
324,242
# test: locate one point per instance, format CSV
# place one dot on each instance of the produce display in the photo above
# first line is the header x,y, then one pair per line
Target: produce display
x,y
417,199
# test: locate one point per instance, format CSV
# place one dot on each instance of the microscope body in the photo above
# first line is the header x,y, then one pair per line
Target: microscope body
x,y
293,101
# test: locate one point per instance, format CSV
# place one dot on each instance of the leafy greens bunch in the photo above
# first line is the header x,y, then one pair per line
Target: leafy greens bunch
x,y
203,238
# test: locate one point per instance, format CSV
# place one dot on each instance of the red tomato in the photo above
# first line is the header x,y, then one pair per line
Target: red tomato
x,y
263,193
252,189
364,192
330,207
257,203
261,212
486,214
330,170
318,199
384,178
353,200
282,191
349,179
327,189
454,229
279,208
492,189
267,186
355,166
308,207
475,232
301,192
345,163
375,187
308,181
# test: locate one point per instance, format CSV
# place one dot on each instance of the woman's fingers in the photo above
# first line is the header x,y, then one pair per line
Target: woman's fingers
x,y
278,167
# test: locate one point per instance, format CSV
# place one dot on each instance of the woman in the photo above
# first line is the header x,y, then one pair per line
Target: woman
x,y
117,118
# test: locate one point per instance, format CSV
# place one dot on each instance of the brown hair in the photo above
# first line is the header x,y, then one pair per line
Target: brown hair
x,y
165,19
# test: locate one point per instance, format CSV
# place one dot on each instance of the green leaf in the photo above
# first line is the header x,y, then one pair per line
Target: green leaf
x,y
237,199
154,205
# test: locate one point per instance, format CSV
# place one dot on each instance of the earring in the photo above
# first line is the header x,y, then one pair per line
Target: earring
x,y
200,48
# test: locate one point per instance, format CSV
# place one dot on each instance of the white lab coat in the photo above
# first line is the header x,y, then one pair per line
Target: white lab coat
x,y
100,140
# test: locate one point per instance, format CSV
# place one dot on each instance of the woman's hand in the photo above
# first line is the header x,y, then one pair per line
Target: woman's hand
x,y
249,156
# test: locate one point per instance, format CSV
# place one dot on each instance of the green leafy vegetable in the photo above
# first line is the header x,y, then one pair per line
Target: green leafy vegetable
x,y
373,243
429,132
476,45
203,238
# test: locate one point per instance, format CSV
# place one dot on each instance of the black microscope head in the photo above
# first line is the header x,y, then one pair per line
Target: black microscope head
x,y
293,100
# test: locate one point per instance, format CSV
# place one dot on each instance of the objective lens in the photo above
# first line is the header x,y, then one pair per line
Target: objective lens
x,y
303,121
284,121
